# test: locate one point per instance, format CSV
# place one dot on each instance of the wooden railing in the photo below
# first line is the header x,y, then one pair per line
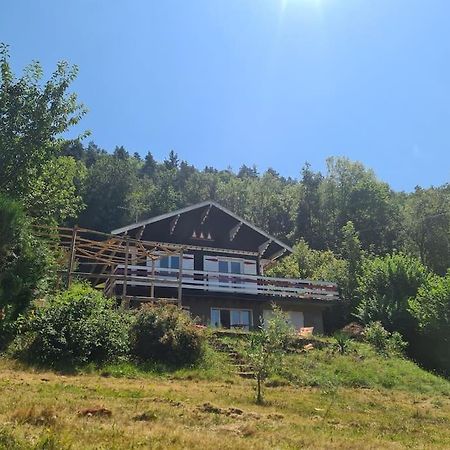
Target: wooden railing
x,y
225,282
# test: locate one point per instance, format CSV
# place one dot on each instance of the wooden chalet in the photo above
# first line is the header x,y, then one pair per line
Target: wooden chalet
x,y
212,263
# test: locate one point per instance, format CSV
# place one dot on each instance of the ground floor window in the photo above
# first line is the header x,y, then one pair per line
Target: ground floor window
x,y
231,318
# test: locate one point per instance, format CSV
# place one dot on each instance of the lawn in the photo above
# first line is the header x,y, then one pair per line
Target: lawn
x,y
320,404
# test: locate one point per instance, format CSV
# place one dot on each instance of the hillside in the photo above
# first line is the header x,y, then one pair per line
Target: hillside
x,y
320,399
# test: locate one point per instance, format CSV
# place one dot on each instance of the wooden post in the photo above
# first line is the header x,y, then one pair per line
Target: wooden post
x,y
73,248
180,278
152,286
125,273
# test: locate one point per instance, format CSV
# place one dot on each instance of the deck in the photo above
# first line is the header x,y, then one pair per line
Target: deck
x,y
198,280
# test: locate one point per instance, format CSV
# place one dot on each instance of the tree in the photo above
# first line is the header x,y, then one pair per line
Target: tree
x,y
26,265
33,117
55,194
431,308
352,253
267,347
427,227
149,166
109,185
309,218
384,286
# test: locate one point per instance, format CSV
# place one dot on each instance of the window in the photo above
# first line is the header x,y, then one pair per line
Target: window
x,y
232,267
231,318
169,262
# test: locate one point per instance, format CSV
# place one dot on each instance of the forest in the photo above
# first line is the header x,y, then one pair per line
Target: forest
x,y
389,251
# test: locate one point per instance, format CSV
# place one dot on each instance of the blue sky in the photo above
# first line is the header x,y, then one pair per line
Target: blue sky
x,y
270,82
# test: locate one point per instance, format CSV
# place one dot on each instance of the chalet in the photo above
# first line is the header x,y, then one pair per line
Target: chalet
x,y
212,262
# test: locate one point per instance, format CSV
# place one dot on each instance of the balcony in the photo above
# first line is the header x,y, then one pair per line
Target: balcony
x,y
198,280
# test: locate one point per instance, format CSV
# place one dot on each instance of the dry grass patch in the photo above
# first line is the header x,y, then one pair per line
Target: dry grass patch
x,y
165,413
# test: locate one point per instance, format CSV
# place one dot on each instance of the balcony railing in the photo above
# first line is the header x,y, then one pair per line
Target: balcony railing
x,y
224,282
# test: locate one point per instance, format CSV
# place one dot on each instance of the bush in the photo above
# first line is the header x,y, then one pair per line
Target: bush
x,y
385,285
74,327
385,343
431,308
165,333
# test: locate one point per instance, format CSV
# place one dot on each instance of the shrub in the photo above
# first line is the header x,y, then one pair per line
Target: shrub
x,y
385,285
431,308
385,343
342,341
74,327
165,333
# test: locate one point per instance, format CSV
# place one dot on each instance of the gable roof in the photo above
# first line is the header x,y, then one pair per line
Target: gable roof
x,y
270,247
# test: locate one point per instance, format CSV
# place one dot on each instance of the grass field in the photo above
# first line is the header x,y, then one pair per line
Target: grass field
x,y
320,400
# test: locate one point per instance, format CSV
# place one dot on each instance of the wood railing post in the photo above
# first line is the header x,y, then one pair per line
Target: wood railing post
x,y
152,286
180,278
73,250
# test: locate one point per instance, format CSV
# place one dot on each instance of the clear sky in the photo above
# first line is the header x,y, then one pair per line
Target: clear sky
x,y
270,82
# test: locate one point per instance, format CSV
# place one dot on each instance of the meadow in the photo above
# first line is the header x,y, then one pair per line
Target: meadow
x,y
319,399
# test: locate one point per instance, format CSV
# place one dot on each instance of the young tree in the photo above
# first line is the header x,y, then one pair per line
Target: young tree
x,y
267,347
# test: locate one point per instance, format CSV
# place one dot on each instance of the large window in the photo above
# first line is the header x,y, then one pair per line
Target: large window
x,y
231,318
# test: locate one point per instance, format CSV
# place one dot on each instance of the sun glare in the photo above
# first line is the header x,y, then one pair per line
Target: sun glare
x,y
315,3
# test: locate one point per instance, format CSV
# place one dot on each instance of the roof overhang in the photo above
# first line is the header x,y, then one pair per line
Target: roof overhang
x,y
269,248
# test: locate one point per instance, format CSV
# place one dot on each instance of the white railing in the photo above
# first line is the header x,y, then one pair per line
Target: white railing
x,y
225,282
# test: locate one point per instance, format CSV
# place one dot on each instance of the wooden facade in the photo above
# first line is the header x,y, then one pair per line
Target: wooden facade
x,y
205,258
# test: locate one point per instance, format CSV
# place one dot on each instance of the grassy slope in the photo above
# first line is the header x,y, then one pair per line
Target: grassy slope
x,y
399,406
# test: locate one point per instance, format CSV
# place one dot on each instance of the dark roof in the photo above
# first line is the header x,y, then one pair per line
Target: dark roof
x,y
229,228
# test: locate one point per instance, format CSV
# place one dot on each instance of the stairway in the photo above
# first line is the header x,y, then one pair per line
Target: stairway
x,y
241,366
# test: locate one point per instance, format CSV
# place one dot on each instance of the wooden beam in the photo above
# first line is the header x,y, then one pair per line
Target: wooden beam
x,y
73,251
173,223
205,215
234,231
263,247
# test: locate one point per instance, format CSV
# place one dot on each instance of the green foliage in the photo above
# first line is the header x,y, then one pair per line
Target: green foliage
x,y
164,333
385,285
34,116
267,347
431,308
73,327
26,265
342,341
427,226
385,343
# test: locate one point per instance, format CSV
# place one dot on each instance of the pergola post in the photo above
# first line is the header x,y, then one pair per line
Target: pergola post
x,y
73,248
125,273
152,285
